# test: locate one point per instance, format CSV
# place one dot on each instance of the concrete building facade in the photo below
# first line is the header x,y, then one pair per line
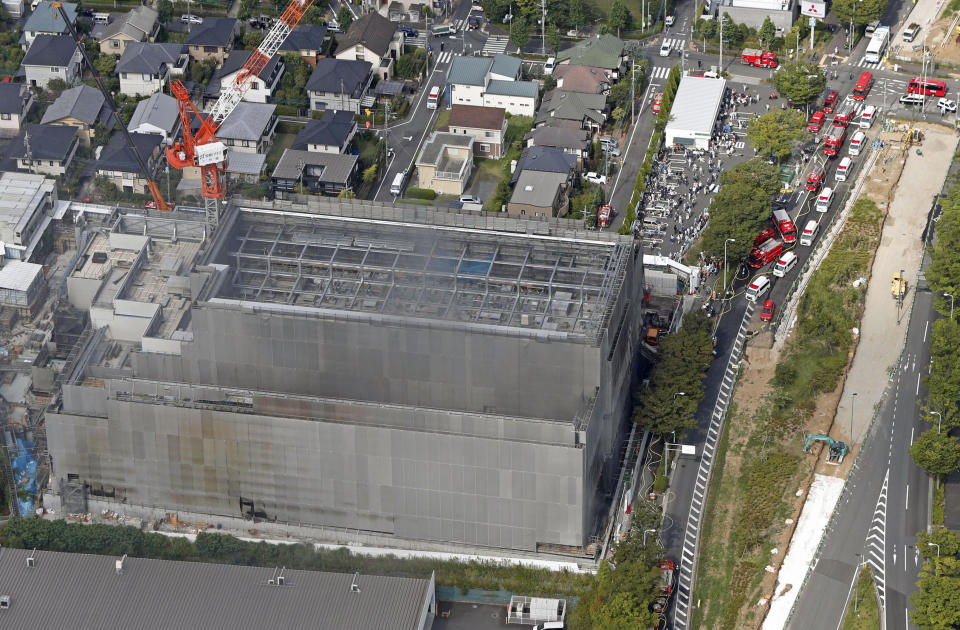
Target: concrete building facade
x,y
473,389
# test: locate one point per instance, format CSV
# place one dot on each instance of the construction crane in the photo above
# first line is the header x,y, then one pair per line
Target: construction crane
x,y
201,148
151,183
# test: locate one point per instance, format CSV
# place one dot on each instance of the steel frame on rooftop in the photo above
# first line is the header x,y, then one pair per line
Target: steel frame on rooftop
x,y
419,271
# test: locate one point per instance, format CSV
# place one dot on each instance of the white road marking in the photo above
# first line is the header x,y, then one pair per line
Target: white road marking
x,y
906,506
918,384
911,435
925,331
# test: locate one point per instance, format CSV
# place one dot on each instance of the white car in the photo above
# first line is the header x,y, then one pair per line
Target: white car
x,y
595,178
573,33
947,104
669,20
186,18
665,49
469,199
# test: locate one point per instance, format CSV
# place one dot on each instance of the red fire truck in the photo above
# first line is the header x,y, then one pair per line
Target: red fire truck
x,y
788,231
759,58
844,113
831,146
604,214
657,100
766,253
816,122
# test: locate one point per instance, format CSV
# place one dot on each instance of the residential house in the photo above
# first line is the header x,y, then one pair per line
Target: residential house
x,y
372,38
581,79
308,41
47,149
445,163
245,168
491,82
571,140
83,107
51,57
137,25
46,20
158,115
338,84
539,194
262,87
311,172
16,99
119,165
211,40
145,68
487,125
603,51
250,128
331,134
586,110
544,160
396,11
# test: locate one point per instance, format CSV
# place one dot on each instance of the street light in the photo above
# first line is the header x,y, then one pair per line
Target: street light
x,y
678,394
939,419
645,535
729,240
930,544
853,401
951,304
856,597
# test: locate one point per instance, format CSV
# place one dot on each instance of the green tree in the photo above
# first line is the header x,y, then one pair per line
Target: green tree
x,y
740,209
578,13
519,32
553,37
777,132
619,17
370,174
617,115
252,39
344,17
800,82
863,11
943,382
936,452
164,11
105,65
948,541
732,34
936,603
767,31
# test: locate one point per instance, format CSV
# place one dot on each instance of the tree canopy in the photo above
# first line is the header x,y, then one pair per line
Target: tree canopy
x,y
937,452
863,11
777,133
799,81
619,17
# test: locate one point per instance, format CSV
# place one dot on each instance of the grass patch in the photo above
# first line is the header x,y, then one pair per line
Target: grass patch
x,y
443,119
939,501
281,142
863,613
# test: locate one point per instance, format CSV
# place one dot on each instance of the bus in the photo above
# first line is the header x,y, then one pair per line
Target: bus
x,y
862,88
928,87
434,98
877,45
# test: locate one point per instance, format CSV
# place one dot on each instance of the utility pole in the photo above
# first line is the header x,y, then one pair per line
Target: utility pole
x,y
543,27
720,67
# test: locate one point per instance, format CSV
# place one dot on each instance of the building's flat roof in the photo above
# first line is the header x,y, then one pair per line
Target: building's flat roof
x,y
423,272
88,591
20,192
17,275
696,105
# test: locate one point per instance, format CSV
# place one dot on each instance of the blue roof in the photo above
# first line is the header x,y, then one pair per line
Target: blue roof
x,y
513,88
50,50
46,19
468,70
544,160
505,65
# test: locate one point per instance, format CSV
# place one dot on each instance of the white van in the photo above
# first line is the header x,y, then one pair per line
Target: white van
x,y
665,49
758,288
856,143
101,18
549,625
433,99
397,186
867,116
825,199
549,66
844,168
809,233
784,265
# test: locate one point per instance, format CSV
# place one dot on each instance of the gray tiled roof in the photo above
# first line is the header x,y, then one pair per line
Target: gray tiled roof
x,y
560,137
372,31
537,189
234,62
526,89
159,110
46,18
248,121
304,37
333,129
214,31
242,163
146,57
66,590
337,167
139,23
50,50
505,65
544,160
10,99
468,70
331,74
47,142
82,102
118,156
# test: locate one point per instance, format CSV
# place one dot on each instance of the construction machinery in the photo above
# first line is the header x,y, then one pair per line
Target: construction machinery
x,y
898,286
200,148
836,450
158,199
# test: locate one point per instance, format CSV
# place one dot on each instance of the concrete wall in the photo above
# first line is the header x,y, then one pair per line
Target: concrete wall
x,y
754,17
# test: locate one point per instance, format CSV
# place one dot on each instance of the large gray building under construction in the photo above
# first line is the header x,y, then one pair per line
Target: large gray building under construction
x,y
413,375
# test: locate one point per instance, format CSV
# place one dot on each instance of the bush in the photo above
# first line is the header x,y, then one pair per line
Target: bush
x,y
421,193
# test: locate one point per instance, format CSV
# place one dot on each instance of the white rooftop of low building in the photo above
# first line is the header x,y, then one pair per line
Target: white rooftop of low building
x,y
19,193
17,275
696,104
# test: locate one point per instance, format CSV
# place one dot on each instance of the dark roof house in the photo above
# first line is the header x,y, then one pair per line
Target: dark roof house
x,y
304,37
82,103
47,142
147,58
334,129
214,31
372,31
544,160
339,76
118,156
50,50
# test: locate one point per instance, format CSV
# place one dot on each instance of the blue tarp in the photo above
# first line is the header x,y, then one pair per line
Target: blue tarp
x,y
25,473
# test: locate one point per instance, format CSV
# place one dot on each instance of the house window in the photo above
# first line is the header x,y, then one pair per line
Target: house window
x,y
360,56
210,49
4,116
489,134
57,70
114,43
485,148
52,163
145,77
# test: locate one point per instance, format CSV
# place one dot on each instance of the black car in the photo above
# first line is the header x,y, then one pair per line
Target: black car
x,y
409,31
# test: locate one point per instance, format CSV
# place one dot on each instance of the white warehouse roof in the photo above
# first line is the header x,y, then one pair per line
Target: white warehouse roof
x,y
695,108
17,275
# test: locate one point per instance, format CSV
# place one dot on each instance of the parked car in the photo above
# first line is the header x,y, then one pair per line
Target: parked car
x,y
409,31
469,199
595,178
665,49
186,18
947,104
912,99
260,21
766,313
150,205
573,33
613,151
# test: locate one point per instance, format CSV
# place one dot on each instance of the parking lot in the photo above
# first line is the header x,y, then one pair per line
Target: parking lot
x,y
466,616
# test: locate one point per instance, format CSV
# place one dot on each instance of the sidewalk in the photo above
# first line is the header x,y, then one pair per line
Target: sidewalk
x,y
901,247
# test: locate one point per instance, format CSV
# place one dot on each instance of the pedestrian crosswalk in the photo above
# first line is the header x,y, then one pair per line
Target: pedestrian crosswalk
x,y
659,72
863,63
494,46
675,44
419,42
444,57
